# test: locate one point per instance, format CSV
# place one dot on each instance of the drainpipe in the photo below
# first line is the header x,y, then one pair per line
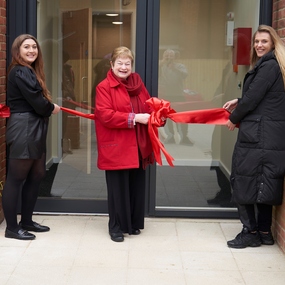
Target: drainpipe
x,y
265,12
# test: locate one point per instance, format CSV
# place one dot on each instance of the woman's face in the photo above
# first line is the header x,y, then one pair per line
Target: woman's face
x,y
29,51
122,67
263,43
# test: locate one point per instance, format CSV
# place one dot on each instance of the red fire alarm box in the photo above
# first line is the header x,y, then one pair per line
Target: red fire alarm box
x,y
241,46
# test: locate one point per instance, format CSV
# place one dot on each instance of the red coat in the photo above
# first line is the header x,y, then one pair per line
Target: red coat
x,y
116,136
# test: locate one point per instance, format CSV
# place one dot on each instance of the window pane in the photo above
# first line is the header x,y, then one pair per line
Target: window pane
x,y
196,72
77,39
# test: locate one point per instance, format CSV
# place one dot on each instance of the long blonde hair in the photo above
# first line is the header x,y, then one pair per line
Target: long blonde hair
x,y
37,66
278,49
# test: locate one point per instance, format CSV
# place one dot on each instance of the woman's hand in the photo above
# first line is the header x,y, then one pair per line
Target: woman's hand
x,y
142,118
230,125
56,109
231,105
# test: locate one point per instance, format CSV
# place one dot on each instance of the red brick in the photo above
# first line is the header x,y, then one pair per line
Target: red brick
x,y
278,223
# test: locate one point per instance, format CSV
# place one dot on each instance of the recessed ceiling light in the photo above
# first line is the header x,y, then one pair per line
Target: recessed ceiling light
x,y
112,15
117,23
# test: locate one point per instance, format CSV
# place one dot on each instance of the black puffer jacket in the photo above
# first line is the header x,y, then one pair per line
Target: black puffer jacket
x,y
258,164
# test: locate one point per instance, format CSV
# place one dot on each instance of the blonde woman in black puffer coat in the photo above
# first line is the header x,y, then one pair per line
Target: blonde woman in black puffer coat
x,y
258,166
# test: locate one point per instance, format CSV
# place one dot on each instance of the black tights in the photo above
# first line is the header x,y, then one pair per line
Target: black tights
x,y
23,175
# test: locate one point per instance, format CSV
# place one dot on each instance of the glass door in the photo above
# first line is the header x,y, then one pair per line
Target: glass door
x,y
183,51
78,38
196,72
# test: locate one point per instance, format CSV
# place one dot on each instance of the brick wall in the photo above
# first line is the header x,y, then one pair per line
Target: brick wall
x,y
278,24
2,96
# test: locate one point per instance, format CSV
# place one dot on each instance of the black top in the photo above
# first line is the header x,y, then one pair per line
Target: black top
x,y
24,93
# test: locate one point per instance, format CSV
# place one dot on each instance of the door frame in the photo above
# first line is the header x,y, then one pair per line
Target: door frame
x,y
22,18
147,67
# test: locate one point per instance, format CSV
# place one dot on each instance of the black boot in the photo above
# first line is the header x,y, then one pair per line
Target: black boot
x,y
244,239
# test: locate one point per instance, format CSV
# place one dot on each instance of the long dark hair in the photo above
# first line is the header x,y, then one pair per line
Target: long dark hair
x,y
37,65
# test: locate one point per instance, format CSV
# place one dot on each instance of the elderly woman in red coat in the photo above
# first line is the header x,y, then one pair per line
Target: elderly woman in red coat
x,y
124,147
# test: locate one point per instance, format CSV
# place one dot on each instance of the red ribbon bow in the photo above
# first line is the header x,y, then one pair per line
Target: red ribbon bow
x,y
161,111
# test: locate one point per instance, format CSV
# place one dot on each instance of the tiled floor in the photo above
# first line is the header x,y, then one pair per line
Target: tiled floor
x,y
78,251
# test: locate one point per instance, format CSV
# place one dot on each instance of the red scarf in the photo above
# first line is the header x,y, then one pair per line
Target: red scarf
x,y
133,85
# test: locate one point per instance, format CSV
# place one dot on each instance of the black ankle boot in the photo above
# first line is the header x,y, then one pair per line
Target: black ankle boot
x,y
244,239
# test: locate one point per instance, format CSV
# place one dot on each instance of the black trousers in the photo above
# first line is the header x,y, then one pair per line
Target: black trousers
x,y
126,199
256,217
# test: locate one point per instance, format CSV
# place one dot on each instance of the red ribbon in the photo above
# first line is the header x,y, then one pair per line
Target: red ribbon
x,y
77,113
161,111
4,111
216,116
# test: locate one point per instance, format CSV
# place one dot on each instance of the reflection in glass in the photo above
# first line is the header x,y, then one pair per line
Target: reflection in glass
x,y
80,37
194,66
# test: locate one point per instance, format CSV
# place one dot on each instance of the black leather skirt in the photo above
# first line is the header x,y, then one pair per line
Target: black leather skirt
x,y
26,135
